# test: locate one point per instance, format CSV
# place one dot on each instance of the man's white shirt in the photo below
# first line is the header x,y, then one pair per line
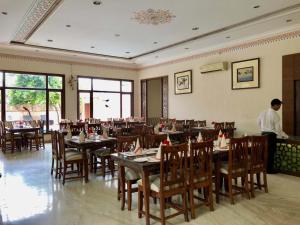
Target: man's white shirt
x,y
269,121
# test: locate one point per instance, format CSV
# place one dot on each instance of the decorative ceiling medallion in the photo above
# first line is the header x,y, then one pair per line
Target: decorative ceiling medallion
x,y
154,17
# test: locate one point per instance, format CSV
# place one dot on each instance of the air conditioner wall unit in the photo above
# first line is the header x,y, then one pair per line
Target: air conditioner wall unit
x,y
214,67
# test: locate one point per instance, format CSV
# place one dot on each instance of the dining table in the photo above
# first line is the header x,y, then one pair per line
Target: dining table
x,y
23,129
96,142
151,166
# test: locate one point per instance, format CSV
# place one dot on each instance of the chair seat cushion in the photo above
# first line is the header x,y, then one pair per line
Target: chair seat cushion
x,y
224,169
73,156
154,181
131,174
102,152
69,150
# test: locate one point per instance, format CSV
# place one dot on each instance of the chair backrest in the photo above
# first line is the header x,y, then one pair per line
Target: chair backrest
x,y
163,120
119,124
95,126
173,168
180,122
201,123
259,151
191,134
126,143
191,123
54,141
76,128
154,140
201,162
64,125
61,145
238,155
229,125
219,126
209,134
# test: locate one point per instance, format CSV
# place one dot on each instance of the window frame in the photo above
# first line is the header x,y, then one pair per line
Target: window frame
x,y
4,89
92,91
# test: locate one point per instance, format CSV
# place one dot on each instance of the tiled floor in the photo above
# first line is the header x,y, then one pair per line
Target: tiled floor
x,y
30,196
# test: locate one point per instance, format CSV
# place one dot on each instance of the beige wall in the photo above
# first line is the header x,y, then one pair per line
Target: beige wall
x,y
154,98
37,65
212,98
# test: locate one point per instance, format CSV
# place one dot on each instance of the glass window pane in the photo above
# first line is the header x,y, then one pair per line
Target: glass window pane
x,y
1,79
106,105
84,83
126,86
54,82
106,85
126,105
25,80
54,110
18,101
84,105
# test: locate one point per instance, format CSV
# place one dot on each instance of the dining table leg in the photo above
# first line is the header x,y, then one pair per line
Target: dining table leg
x,y
37,141
217,174
146,190
85,166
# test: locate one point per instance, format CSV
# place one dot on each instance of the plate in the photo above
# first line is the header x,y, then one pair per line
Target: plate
x,y
144,159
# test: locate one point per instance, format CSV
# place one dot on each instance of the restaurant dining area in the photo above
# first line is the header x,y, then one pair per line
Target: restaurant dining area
x,y
158,112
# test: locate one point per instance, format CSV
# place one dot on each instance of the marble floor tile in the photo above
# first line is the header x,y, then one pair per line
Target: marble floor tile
x,y
29,195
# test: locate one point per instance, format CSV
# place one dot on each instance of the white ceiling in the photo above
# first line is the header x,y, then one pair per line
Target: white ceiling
x,y
97,26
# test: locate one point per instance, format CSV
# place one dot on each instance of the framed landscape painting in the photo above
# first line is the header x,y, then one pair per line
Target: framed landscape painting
x,y
183,82
245,74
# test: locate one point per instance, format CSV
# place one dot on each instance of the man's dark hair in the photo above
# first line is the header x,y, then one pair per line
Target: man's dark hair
x,y
276,101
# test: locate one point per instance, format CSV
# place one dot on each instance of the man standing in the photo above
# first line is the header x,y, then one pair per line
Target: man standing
x,y
270,125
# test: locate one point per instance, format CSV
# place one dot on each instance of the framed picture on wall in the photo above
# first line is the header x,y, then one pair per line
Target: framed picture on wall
x,y
245,74
183,82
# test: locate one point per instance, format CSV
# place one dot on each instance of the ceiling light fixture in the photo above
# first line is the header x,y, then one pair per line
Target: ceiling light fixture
x,y
117,35
155,42
68,25
4,13
127,52
50,40
92,46
97,2
256,7
289,20
195,28
228,37
186,48
156,56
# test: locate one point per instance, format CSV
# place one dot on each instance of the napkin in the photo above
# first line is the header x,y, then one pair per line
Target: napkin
x,y
189,146
156,129
104,134
223,143
173,127
220,137
81,137
69,134
138,149
168,139
199,138
158,154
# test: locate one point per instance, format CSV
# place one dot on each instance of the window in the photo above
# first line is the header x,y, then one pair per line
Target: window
x,y
104,98
27,96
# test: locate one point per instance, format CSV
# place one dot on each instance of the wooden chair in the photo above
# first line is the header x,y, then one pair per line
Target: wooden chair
x,y
201,123
229,129
9,141
236,167
170,182
190,123
258,162
125,144
209,134
77,128
191,134
163,120
219,126
200,173
154,140
64,125
69,158
55,154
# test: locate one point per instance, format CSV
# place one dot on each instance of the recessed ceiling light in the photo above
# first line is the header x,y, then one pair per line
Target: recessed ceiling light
x,y
127,52
117,35
4,13
50,40
289,20
68,25
186,48
97,2
155,42
195,28
228,37
256,7
92,46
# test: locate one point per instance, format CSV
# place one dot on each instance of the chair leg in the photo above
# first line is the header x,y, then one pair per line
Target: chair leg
x,y
64,174
140,201
192,205
252,185
184,205
52,166
102,159
265,181
230,189
60,170
246,185
162,211
258,181
129,195
56,168
210,197
111,166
